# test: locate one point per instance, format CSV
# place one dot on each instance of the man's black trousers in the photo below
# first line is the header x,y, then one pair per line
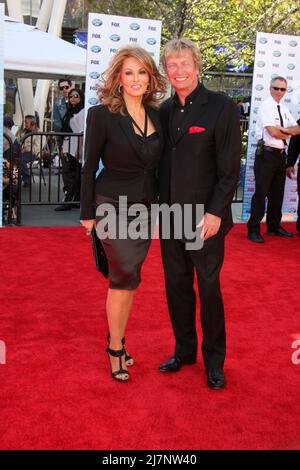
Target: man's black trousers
x,y
179,267
270,174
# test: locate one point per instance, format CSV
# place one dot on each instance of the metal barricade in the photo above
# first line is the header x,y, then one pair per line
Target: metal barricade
x,y
42,154
46,185
244,123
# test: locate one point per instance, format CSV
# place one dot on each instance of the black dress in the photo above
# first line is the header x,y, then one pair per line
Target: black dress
x,y
126,227
130,164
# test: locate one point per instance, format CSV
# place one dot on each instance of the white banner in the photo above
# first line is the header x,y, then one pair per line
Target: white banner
x,y
275,54
106,34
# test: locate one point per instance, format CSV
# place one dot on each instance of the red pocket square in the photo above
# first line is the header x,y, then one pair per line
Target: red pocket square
x,y
196,129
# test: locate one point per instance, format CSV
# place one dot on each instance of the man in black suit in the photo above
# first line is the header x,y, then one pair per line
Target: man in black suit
x,y
293,154
200,165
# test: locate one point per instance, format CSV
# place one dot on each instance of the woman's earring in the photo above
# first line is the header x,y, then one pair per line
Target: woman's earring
x,y
120,88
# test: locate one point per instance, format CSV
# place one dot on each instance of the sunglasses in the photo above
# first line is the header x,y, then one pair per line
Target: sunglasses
x,y
65,87
74,95
278,88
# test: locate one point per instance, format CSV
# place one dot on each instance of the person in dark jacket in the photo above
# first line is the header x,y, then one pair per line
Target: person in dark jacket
x,y
293,154
125,133
71,151
61,105
200,166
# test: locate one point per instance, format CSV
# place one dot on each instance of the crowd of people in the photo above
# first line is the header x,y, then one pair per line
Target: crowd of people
x,y
68,117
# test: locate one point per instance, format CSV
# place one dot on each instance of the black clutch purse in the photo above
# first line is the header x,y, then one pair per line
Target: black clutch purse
x,y
101,263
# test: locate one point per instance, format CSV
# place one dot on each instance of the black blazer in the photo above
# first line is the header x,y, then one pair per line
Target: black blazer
x,y
202,167
294,149
111,138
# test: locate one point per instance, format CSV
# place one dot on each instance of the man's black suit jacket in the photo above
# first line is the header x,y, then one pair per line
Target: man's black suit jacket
x,y
127,171
294,149
202,167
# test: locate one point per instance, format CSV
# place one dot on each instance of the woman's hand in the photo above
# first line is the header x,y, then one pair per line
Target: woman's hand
x,y
290,171
88,225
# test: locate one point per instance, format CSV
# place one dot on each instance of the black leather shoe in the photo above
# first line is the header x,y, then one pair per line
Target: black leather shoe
x,y
280,232
215,378
175,363
62,208
255,237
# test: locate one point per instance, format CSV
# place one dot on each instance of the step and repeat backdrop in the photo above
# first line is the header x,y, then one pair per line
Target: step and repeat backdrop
x,y
275,54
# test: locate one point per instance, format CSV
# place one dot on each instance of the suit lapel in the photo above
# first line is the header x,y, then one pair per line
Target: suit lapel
x,y
169,114
127,127
154,117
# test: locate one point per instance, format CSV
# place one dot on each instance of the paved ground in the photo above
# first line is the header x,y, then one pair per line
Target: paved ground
x,y
45,216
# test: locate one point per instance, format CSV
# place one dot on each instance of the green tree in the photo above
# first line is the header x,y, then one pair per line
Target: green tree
x,y
214,24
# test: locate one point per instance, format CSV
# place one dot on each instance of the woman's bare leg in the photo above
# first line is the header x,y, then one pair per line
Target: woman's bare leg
x,y
118,306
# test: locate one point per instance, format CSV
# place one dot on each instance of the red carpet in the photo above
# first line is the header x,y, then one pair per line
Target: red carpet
x,y
56,391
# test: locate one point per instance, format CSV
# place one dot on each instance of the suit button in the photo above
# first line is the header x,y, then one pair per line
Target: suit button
x,y
173,148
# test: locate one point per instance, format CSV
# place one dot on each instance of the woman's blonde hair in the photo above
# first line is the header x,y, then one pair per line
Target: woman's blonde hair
x,y
110,93
176,46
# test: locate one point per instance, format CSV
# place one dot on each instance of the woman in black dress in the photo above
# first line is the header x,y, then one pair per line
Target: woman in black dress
x,y
125,133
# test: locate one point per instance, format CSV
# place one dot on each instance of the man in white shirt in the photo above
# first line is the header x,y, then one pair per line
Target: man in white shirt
x,y
274,125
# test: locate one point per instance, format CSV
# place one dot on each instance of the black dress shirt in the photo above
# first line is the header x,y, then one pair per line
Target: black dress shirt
x,y
179,112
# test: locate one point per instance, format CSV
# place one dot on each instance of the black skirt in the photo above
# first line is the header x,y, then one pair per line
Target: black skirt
x,y
126,239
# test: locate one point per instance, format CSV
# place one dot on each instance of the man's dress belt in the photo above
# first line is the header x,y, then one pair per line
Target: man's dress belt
x,y
274,149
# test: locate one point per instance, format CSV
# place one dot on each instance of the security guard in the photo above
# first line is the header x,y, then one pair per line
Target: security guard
x,y
274,125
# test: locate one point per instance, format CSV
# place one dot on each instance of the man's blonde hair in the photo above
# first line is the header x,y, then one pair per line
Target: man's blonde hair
x,y
176,46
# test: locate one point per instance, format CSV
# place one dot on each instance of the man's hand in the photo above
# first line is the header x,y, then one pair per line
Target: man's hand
x,y
284,130
278,132
294,130
290,171
290,131
88,225
211,224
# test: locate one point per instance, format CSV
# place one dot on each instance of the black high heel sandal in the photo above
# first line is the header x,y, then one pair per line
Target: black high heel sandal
x,y
118,353
129,361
